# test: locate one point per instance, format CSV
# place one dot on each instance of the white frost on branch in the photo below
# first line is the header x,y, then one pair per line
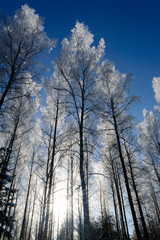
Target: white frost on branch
x,y
30,25
79,46
31,21
156,88
149,133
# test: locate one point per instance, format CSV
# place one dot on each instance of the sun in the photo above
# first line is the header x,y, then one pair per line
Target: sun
x,y
60,208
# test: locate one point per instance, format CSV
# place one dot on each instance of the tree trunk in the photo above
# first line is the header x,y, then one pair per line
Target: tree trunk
x,y
67,215
22,234
119,204
82,176
72,217
33,207
125,176
80,219
84,189
137,197
51,171
115,209
8,86
123,207
9,152
46,186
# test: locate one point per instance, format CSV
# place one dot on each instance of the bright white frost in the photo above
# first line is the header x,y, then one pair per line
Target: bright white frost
x,y
156,88
112,86
22,39
29,19
149,139
32,88
149,129
78,48
112,83
76,68
28,28
149,133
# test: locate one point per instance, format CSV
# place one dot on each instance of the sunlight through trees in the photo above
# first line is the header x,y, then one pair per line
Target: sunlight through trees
x,y
74,164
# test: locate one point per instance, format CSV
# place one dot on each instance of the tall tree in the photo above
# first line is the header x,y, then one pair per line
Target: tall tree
x,y
53,133
76,70
23,228
22,39
18,123
114,105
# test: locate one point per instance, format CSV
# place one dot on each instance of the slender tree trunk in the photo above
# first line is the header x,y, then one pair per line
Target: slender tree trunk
x,y
67,215
137,197
28,216
125,237
123,206
80,219
51,170
13,175
125,176
52,218
72,216
101,202
84,190
115,209
6,160
9,152
46,185
8,86
82,177
14,212
22,234
11,190
87,169
39,224
156,170
33,208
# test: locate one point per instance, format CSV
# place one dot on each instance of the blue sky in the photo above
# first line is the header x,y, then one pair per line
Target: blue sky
x,y
131,30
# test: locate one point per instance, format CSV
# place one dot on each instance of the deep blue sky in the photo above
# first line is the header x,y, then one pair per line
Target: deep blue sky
x,y
131,30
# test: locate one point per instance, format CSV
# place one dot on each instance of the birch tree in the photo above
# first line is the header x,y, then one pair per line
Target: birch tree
x,y
22,39
76,70
114,105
